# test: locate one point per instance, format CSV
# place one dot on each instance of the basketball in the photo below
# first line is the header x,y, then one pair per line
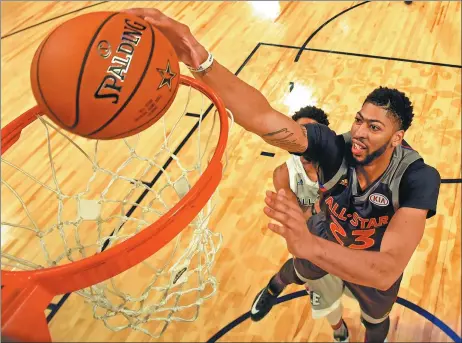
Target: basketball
x,y
105,75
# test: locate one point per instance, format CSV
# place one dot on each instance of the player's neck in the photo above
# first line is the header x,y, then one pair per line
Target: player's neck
x,y
368,174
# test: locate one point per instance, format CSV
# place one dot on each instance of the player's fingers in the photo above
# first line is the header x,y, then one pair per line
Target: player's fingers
x,y
280,230
270,193
284,218
285,200
143,12
277,205
280,194
139,12
151,15
284,205
281,197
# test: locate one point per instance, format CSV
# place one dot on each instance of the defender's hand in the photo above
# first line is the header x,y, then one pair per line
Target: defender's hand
x,y
186,46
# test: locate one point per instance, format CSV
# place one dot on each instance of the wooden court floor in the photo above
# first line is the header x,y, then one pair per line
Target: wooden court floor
x,y
415,48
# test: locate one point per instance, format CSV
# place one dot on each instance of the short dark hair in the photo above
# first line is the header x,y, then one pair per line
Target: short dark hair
x,y
312,112
395,102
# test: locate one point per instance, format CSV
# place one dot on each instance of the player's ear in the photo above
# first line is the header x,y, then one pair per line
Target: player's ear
x,y
397,138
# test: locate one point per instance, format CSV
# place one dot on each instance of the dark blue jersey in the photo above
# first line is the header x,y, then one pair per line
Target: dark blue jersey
x,y
358,218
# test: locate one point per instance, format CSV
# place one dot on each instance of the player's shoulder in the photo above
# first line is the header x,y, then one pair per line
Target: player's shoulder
x,y
281,171
420,167
420,187
419,171
326,130
281,176
340,140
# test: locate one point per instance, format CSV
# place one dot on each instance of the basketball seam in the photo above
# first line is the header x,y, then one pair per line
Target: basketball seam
x,y
172,98
143,75
82,69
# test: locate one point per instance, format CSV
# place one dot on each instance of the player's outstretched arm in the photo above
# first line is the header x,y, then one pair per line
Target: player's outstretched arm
x,y
253,112
250,108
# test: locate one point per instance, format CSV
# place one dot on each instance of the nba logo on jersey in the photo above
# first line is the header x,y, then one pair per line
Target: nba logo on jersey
x,y
300,182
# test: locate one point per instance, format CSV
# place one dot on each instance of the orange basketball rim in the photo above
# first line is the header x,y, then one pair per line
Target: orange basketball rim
x,y
26,294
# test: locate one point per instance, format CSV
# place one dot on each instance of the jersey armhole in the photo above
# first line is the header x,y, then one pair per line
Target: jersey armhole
x,y
341,172
395,184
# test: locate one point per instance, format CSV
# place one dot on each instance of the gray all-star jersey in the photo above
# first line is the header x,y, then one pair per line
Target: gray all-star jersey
x,y
306,191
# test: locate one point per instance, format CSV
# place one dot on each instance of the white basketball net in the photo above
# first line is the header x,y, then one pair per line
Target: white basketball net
x,y
65,198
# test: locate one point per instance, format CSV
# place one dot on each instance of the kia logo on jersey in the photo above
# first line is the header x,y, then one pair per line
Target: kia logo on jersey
x,y
379,199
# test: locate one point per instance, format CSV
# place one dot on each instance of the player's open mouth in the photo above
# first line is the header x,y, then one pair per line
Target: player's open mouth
x,y
357,149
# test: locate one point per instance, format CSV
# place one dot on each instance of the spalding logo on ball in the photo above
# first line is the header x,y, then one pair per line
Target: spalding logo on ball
x,y
105,75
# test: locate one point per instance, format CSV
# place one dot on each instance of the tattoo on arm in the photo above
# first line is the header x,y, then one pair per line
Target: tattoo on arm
x,y
275,132
284,139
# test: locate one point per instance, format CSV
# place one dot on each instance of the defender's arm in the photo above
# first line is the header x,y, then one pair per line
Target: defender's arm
x,y
281,181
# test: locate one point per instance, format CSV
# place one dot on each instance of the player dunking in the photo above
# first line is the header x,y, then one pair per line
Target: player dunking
x,y
368,176
377,192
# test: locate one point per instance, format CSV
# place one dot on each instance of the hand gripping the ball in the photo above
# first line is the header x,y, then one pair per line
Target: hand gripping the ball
x,y
186,46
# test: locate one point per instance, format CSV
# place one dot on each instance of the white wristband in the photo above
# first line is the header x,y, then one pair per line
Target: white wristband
x,y
204,66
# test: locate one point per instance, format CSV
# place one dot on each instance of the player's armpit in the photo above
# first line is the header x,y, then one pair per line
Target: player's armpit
x,y
401,238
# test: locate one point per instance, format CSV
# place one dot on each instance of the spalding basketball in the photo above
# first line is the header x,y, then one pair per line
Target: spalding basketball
x,y
105,75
